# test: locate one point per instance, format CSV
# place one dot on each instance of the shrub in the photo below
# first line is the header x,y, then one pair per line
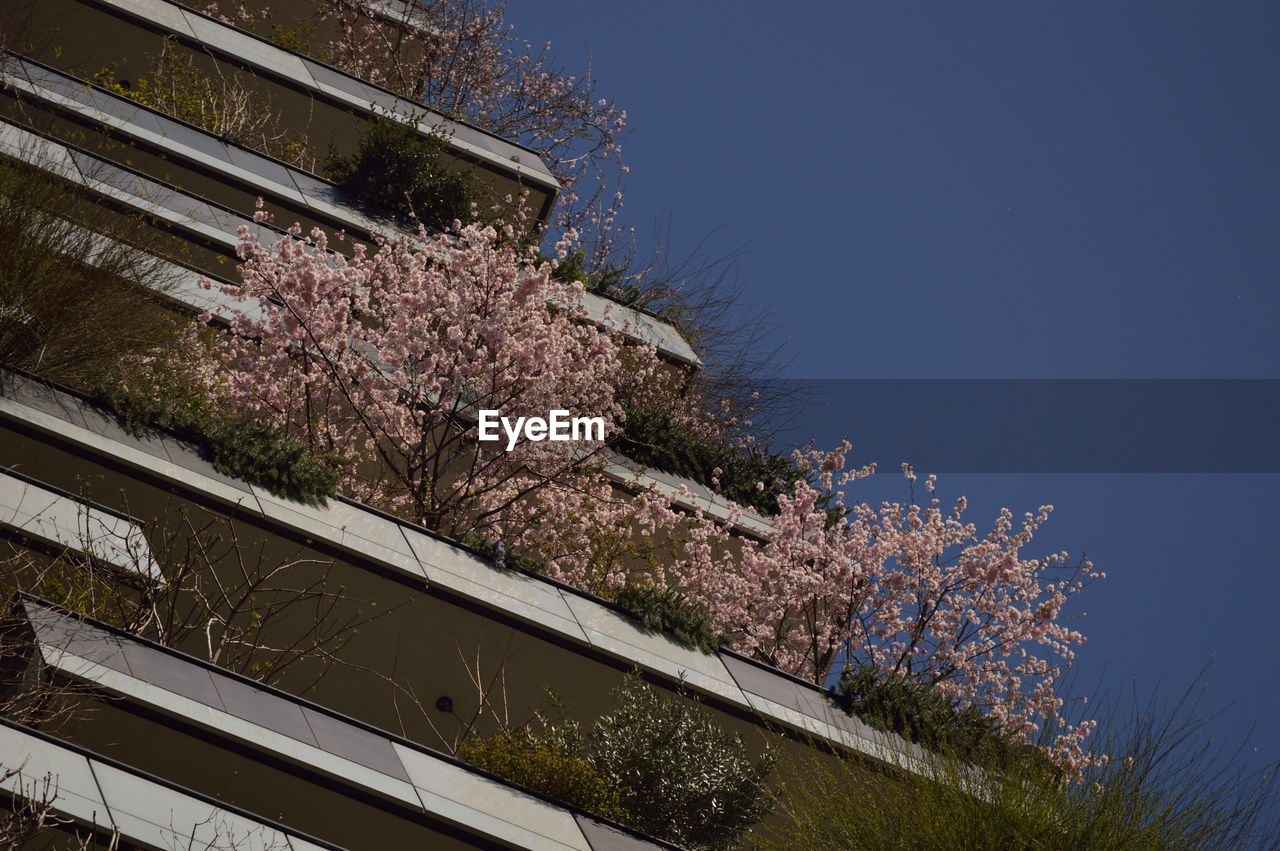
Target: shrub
x,y
652,438
1161,785
236,444
668,611
215,100
610,282
658,764
922,714
396,172
499,555
839,801
680,776
85,585
550,761
77,296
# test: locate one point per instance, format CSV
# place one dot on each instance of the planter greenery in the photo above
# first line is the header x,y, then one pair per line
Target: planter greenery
x,y
653,439
659,764
1164,784
661,610
549,760
499,555
223,102
926,716
671,613
610,282
398,173
237,445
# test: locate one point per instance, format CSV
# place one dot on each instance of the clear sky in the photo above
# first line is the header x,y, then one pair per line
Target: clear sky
x,y
1019,190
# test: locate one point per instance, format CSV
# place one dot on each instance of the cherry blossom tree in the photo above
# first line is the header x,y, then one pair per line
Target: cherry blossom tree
x,y
913,590
385,358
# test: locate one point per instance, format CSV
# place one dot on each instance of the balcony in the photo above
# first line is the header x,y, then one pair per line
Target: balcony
x,y
314,100
262,751
201,186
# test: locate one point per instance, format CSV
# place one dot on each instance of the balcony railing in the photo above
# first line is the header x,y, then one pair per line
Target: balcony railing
x,y
111,799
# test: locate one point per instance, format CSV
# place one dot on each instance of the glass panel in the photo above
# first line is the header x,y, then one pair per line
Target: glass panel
x,y
77,637
453,792
15,388
148,812
363,93
51,773
781,689
354,743
602,837
619,635
191,137
258,164
264,708
172,673
245,47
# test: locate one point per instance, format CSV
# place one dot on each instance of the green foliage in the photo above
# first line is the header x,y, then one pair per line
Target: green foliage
x,y
243,446
549,760
670,612
609,282
225,103
73,304
839,801
572,268
680,776
298,38
498,554
922,714
1163,786
659,764
82,584
397,172
653,439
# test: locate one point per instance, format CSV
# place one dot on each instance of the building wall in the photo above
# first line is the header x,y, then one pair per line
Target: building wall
x,y
412,618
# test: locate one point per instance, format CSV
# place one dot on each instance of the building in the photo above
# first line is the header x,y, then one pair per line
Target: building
x,y
384,644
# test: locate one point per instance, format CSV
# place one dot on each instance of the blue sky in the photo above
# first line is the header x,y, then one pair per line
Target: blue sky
x,y
958,191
